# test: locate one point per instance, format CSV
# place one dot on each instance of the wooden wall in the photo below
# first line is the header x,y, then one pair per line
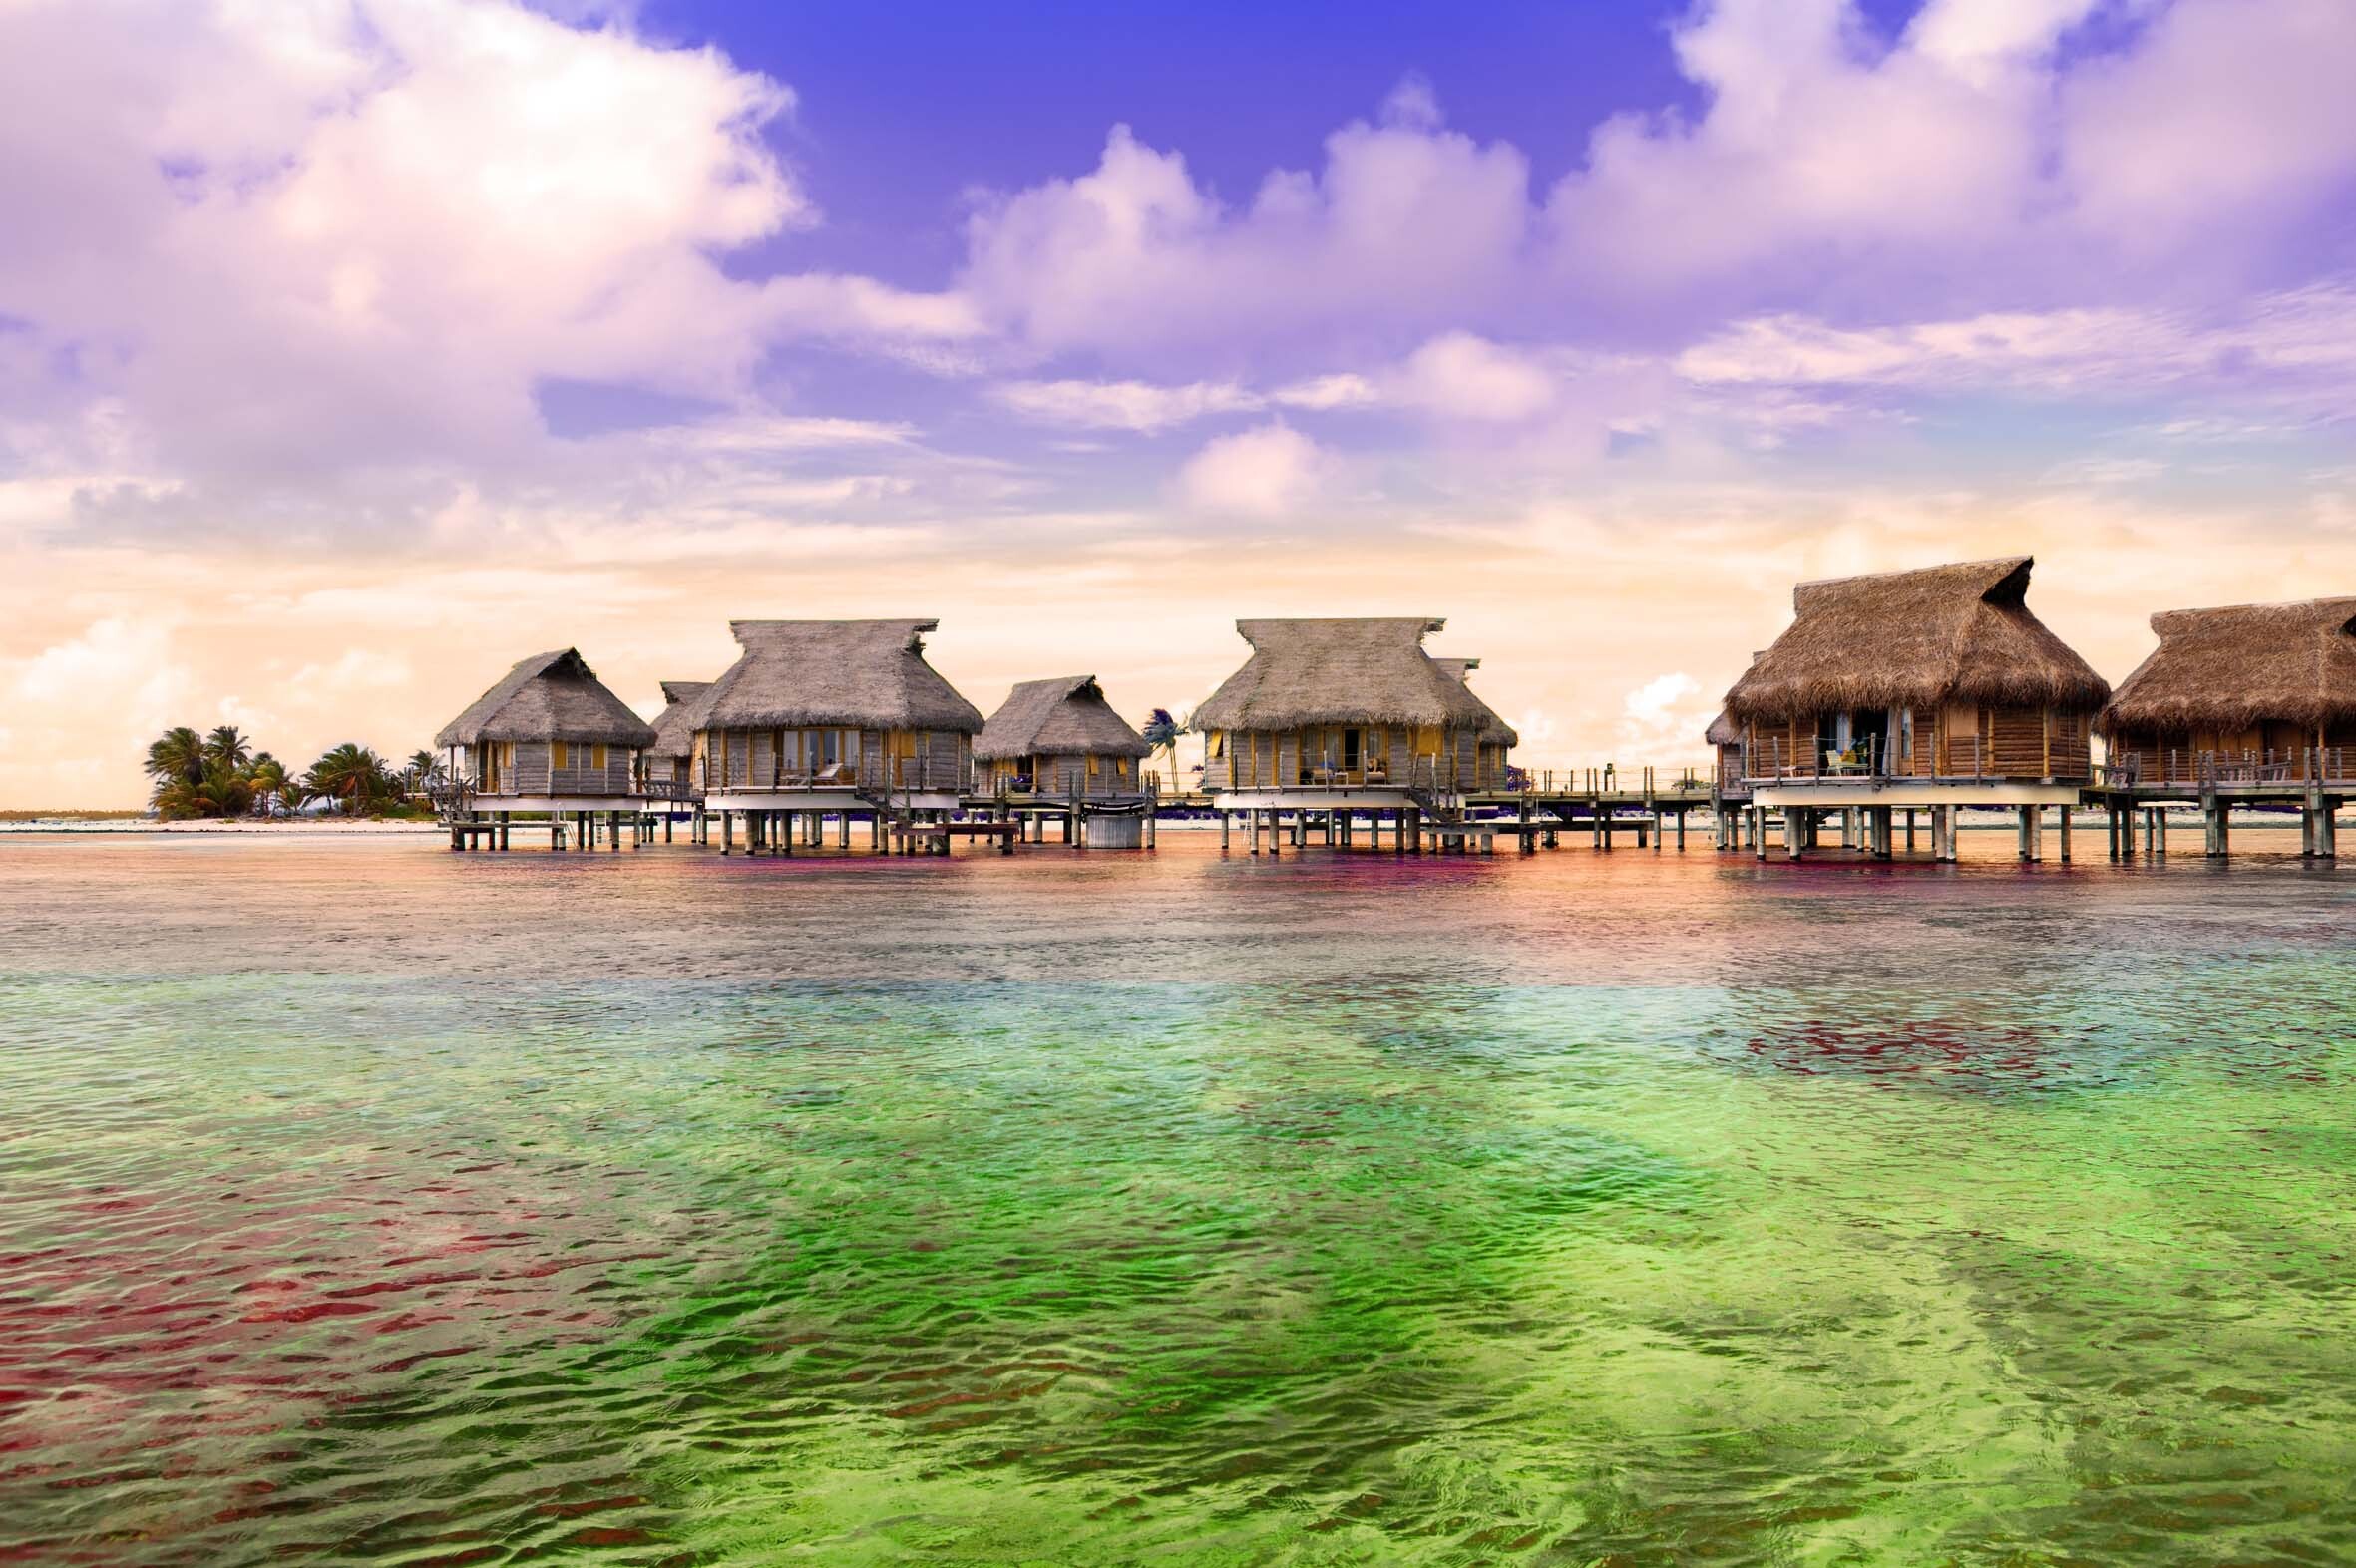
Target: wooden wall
x,y
1264,759
937,759
527,770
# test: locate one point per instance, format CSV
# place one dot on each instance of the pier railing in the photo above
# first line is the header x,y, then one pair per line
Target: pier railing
x,y
1607,779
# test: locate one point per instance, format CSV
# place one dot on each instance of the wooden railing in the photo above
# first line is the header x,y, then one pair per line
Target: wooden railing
x,y
1608,779
1869,759
920,773
2214,769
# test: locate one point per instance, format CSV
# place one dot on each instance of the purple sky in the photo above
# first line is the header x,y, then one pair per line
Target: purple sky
x,y
349,351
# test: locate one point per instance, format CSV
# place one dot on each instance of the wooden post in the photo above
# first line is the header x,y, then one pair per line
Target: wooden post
x,y
1909,829
2064,813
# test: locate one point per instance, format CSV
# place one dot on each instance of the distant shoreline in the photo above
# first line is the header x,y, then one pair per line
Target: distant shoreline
x,y
140,822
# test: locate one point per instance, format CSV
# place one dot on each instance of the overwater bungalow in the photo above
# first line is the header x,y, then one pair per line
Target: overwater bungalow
x,y
1725,738
830,717
1056,748
1340,717
2240,694
1931,688
1496,739
667,767
549,737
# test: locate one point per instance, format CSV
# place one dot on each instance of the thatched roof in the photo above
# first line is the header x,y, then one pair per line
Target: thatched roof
x,y
674,736
548,697
1959,632
1724,730
1495,732
1370,671
868,674
2242,664
1064,717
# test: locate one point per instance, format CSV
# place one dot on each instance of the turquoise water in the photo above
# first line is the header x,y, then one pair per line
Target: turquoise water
x,y
363,1202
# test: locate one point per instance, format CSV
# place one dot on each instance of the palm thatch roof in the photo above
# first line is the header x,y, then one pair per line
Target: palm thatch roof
x,y
674,736
1366,671
1724,730
1064,717
548,697
1497,732
865,674
1960,633
2242,664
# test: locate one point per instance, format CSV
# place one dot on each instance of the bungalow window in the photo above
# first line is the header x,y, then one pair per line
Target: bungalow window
x,y
1350,750
559,755
1218,742
1095,766
597,757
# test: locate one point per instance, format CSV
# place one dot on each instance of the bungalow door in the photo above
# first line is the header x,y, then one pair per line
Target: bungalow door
x,y
1427,746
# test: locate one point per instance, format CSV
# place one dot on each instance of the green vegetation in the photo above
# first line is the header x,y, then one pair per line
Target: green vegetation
x,y
219,774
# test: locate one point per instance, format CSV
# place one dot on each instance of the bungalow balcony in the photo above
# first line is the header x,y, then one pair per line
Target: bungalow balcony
x,y
2185,773
823,785
1998,769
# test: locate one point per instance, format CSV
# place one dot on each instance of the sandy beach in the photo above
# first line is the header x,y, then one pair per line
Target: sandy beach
x,y
304,827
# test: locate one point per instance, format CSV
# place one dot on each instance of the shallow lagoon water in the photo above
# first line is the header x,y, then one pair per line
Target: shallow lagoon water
x,y
364,1202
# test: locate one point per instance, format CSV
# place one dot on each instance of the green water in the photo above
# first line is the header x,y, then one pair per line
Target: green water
x,y
363,1203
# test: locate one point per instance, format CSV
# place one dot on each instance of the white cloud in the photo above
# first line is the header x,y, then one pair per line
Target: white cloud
x,y
2281,345
1122,405
284,238
1321,393
1404,225
78,705
1461,376
1263,471
1975,161
1663,715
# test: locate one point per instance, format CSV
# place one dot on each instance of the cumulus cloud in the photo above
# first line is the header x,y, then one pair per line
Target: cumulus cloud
x,y
1405,224
1265,472
1663,715
285,238
1994,153
83,705
1461,376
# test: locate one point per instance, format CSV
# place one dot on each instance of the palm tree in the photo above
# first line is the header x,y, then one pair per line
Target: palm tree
x,y
424,767
175,756
273,787
351,774
1162,732
228,747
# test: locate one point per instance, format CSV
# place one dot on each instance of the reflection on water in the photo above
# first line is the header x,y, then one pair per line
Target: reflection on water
x,y
359,1201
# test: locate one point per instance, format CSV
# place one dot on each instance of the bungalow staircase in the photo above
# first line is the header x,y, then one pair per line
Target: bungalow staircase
x,y
1439,805
453,799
